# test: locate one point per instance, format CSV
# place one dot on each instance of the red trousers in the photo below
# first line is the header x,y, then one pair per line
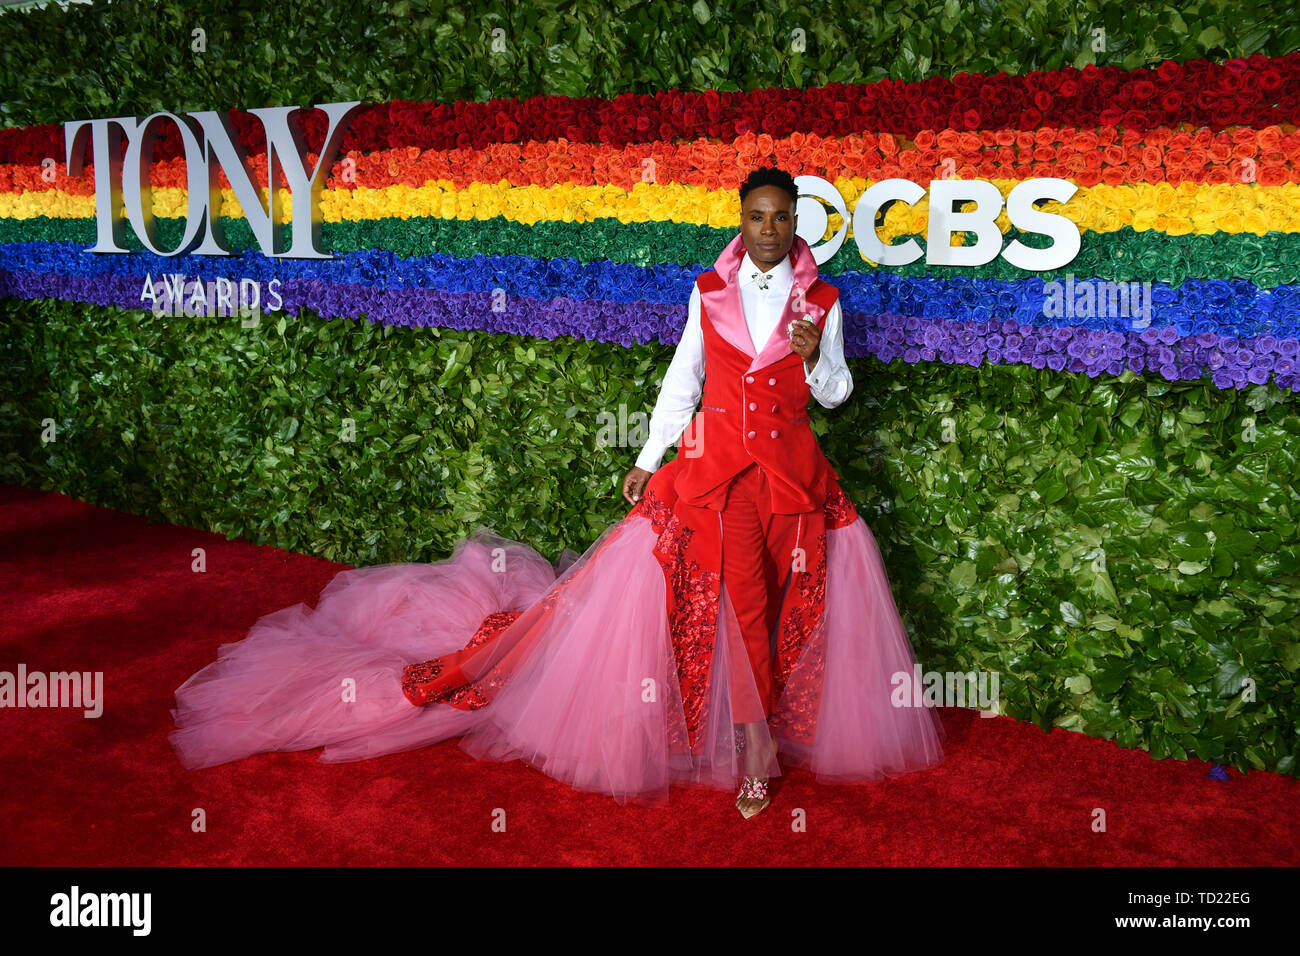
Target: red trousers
x,y
757,556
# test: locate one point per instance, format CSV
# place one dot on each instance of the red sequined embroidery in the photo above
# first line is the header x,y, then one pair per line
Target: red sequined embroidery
x,y
802,614
417,677
472,696
798,644
839,509
492,625
692,609
799,641
414,676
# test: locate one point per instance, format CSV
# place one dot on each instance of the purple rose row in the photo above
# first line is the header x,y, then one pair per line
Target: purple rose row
x,y
1229,362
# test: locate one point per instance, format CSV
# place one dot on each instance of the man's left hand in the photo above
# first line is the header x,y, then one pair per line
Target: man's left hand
x,y
805,339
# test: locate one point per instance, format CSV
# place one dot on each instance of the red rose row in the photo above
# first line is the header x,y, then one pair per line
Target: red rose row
x,y
1257,91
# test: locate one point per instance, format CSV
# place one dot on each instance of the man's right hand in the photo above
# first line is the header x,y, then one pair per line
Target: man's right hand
x,y
634,484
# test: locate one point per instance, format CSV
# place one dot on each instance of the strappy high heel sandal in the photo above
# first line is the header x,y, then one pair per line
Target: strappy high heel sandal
x,y
753,798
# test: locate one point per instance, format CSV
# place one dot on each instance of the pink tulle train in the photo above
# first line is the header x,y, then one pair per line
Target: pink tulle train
x,y
594,703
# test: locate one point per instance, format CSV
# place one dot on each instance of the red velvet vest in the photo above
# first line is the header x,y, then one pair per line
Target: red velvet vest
x,y
755,405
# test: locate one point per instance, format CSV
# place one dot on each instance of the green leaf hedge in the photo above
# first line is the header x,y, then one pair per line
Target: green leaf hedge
x,y
132,58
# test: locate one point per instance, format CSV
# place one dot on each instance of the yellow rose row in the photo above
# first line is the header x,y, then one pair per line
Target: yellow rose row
x,y
1175,210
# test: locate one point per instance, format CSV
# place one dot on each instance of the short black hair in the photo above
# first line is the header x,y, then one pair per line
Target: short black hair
x,y
770,176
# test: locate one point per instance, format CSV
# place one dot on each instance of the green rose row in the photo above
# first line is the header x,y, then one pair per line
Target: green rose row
x,y
1126,255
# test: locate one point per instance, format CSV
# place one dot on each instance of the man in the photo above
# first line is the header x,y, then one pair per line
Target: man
x,y
751,455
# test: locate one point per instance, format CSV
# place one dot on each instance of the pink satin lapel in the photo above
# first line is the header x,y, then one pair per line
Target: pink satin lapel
x,y
723,304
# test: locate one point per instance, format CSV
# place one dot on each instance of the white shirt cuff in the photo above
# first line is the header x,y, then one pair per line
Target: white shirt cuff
x,y
820,372
650,458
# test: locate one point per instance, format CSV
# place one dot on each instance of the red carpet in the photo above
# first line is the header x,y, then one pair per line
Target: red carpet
x,y
94,590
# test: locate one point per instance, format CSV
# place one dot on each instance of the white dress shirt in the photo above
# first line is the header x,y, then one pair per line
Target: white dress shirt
x,y
830,381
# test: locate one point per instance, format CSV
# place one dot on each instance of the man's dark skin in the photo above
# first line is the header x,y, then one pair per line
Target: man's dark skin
x,y
767,226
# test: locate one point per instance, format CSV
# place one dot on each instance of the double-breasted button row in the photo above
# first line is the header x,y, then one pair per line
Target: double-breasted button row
x,y
753,407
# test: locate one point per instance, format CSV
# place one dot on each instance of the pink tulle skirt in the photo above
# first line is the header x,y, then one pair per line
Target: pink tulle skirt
x,y
594,702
